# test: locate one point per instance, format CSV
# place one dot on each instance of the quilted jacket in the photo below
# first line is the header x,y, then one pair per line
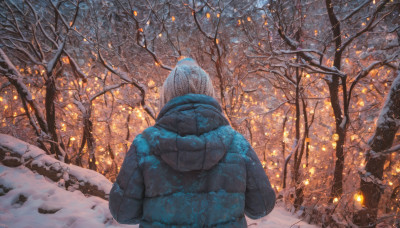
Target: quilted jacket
x,y
191,169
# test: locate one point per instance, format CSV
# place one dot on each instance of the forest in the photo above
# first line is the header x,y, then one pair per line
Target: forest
x,y
313,85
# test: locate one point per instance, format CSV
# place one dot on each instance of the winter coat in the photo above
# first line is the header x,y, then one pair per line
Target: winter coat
x,y
191,169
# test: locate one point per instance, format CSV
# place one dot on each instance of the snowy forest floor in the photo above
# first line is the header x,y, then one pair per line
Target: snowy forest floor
x,y
31,200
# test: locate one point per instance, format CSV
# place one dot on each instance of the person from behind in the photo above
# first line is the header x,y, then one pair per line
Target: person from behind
x,y
191,169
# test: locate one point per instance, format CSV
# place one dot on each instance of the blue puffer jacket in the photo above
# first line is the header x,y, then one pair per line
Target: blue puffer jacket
x,y
191,169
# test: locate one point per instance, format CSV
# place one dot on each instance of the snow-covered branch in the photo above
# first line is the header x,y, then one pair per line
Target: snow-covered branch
x,y
124,76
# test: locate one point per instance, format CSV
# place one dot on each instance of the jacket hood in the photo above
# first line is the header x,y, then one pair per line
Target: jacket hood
x,y
190,133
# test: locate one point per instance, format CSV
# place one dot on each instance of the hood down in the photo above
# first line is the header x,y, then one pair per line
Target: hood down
x,y
188,133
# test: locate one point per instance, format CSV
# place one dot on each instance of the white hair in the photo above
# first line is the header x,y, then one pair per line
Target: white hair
x,y
186,77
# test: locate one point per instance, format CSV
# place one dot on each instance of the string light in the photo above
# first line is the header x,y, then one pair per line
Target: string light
x,y
135,13
173,18
359,197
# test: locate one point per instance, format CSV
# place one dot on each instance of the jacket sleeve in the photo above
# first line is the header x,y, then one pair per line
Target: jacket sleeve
x,y
260,197
126,195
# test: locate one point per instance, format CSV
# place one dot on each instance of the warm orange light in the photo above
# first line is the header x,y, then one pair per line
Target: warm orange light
x,y
335,200
359,197
248,19
173,18
364,90
334,145
335,137
306,182
65,60
135,13
208,15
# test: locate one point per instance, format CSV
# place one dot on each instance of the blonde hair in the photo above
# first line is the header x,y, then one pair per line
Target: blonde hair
x,y
186,77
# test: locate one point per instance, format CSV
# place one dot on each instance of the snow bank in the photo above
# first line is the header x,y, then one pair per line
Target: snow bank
x,y
14,152
29,200
279,218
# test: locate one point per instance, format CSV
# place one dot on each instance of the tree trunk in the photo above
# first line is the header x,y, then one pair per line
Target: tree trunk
x,y
51,116
371,177
333,84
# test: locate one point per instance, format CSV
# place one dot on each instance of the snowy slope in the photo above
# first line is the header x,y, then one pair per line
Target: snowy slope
x,y
47,205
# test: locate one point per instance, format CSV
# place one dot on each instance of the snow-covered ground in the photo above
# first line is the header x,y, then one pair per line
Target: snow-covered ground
x,y
30,200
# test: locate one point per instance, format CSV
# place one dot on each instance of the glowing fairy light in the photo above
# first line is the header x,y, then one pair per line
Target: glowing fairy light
x,y
263,164
334,145
335,200
364,91
359,197
335,137
208,15
307,182
173,18
135,13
